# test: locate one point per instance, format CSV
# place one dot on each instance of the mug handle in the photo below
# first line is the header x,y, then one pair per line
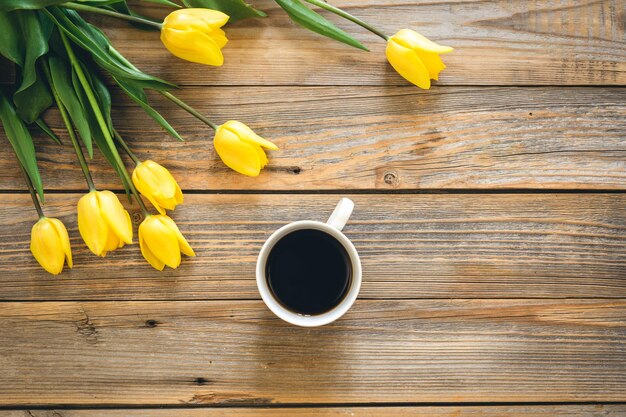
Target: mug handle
x,y
341,214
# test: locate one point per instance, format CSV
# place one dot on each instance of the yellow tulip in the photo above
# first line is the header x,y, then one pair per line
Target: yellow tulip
x,y
103,222
50,245
195,35
241,149
157,184
415,57
161,242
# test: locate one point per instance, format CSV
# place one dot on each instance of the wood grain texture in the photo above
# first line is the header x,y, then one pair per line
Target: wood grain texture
x,y
411,246
374,138
467,298
503,42
600,410
238,353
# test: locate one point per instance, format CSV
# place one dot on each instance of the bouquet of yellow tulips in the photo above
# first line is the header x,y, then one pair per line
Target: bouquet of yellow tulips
x,y
60,59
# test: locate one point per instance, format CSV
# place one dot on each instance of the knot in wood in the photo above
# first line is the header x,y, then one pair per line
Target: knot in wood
x,y
391,178
137,217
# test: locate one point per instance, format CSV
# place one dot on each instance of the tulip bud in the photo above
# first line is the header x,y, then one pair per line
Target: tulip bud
x,y
157,184
415,57
103,222
161,242
241,149
195,35
50,245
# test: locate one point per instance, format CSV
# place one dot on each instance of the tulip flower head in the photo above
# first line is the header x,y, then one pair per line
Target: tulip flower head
x,y
157,184
415,57
195,35
161,242
50,245
103,222
241,149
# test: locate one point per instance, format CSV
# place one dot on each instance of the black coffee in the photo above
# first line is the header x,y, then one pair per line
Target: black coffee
x,y
309,271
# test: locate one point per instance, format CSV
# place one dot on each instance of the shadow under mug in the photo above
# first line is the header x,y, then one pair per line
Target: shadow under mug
x,y
332,227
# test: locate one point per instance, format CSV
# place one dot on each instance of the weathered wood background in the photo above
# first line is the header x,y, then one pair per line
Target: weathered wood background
x,y
490,218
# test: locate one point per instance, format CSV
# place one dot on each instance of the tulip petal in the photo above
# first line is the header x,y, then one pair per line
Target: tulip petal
x,y
64,238
116,216
92,227
113,242
237,155
148,255
178,195
200,19
46,247
412,40
129,224
192,46
158,179
153,185
161,241
408,64
248,135
219,36
212,18
154,202
433,63
262,156
184,245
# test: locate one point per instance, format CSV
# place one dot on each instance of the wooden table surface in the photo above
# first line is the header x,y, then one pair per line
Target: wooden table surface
x,y
490,218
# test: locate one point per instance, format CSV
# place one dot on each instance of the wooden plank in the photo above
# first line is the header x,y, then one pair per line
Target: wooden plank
x,y
375,138
412,246
600,410
237,353
503,42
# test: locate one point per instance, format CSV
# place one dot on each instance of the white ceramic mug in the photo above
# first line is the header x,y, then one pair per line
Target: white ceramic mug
x,y
333,227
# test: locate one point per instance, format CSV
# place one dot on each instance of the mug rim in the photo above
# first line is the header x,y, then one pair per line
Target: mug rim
x,y
298,319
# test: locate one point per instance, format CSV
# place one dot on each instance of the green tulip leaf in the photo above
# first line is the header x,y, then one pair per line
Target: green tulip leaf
x,y
8,5
31,101
164,2
313,21
236,9
43,126
21,141
122,7
102,94
11,39
104,105
24,39
101,91
61,74
138,95
99,3
94,41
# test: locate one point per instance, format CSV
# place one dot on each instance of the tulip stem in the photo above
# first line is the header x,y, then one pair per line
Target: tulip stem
x,y
106,12
124,146
33,193
101,122
188,108
348,16
70,129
